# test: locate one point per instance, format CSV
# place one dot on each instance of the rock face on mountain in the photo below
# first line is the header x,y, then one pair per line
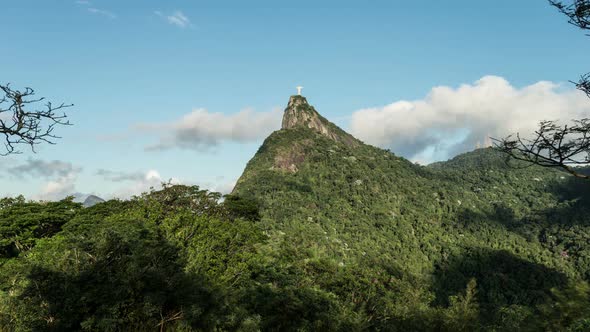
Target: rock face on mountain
x,y
300,114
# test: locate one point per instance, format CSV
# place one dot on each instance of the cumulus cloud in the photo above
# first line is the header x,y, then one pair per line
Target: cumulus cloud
x,y
201,129
220,185
58,188
138,184
451,120
224,187
176,18
117,176
41,168
60,176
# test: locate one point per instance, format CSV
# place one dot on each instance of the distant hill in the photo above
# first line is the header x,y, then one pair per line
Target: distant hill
x,y
350,206
92,200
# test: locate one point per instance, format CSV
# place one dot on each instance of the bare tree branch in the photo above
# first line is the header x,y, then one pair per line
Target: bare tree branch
x,y
552,146
584,84
21,126
578,12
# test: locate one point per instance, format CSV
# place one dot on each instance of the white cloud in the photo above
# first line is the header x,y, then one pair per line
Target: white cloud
x,y
140,182
83,2
201,129
224,188
60,176
117,176
176,18
102,12
151,178
59,188
60,179
453,120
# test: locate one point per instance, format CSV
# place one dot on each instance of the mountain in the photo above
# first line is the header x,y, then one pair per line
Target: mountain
x,y
299,114
321,233
414,236
92,200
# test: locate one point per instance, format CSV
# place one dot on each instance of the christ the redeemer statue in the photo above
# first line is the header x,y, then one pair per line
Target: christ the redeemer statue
x,y
299,90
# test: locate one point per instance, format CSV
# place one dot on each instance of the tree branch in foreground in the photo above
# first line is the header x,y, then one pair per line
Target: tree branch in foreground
x,y
21,126
552,145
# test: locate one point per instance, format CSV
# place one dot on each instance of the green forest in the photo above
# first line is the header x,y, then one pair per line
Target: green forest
x,y
322,232
318,235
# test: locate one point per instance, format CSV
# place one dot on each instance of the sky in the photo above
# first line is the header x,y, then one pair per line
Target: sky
x,y
187,91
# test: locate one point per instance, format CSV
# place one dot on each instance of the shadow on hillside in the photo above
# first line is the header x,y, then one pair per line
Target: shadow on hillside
x,y
571,188
117,286
502,280
573,209
575,194
501,216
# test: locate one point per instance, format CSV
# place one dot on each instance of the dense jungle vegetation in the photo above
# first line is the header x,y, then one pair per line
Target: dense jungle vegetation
x,y
317,236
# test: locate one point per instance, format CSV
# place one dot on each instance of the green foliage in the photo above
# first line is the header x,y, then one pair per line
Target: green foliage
x,y
570,307
242,207
221,249
462,314
23,223
435,228
172,199
118,274
351,238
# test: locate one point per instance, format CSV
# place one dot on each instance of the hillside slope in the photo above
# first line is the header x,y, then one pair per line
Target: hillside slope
x,y
412,234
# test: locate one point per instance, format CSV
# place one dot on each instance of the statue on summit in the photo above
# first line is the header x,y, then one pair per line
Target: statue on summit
x,y
299,90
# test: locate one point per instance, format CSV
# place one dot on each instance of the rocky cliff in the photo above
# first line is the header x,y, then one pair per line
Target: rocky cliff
x,y
300,114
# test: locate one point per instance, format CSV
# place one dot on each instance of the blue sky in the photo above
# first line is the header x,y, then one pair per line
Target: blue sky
x,y
137,70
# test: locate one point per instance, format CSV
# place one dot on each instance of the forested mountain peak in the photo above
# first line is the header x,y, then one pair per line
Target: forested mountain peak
x,y
321,233
299,113
330,208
